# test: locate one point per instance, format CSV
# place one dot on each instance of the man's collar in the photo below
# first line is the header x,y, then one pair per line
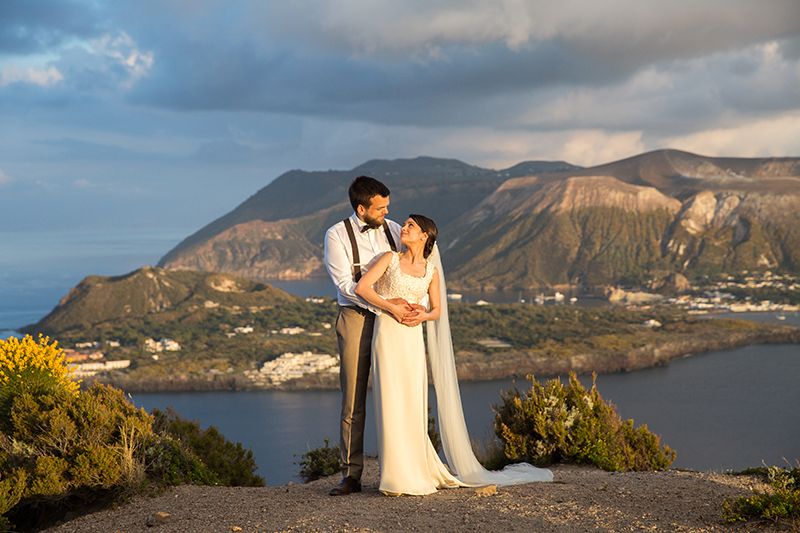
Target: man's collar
x,y
359,224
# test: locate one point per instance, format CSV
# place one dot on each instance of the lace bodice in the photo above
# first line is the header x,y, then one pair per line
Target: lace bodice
x,y
397,284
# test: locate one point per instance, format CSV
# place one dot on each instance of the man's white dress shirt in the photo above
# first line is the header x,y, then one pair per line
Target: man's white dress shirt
x,y
372,243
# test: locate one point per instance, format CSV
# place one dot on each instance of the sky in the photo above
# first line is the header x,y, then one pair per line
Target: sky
x,y
169,113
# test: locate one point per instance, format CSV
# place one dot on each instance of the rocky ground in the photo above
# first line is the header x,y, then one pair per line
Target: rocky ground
x,y
579,499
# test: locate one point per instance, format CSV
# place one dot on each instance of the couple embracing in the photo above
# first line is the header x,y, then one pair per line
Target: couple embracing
x,y
390,280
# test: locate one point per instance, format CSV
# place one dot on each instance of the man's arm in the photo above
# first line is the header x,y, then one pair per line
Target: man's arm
x,y
340,270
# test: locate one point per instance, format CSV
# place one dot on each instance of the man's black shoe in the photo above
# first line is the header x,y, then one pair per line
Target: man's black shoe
x,y
345,487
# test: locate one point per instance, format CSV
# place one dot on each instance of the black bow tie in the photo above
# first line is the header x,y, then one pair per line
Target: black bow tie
x,y
367,227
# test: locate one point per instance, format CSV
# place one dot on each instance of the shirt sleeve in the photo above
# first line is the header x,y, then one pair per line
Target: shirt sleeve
x,y
339,269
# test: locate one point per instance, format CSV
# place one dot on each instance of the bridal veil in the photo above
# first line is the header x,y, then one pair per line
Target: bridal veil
x,y
452,427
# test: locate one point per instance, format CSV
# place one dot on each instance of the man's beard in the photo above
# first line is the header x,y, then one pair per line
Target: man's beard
x,y
372,222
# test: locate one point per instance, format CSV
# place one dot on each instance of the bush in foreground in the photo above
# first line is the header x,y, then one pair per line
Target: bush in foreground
x,y
62,449
231,463
782,502
320,462
553,422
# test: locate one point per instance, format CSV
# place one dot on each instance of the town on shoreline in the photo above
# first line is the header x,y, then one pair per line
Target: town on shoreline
x,y
225,342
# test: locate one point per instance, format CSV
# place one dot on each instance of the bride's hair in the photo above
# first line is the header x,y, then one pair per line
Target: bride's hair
x,y
427,226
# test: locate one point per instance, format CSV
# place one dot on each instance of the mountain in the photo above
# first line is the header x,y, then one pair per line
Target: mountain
x,y
650,215
147,291
534,224
278,232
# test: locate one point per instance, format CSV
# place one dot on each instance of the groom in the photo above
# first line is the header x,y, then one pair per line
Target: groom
x,y
351,246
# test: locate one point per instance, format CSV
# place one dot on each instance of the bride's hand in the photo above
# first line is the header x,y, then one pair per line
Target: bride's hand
x,y
399,309
418,315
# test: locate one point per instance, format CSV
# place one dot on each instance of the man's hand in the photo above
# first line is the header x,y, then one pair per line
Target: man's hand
x,y
400,309
417,315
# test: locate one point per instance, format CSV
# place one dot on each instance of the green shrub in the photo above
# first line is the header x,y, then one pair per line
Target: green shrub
x,y
782,502
320,462
12,486
170,463
62,449
556,423
231,464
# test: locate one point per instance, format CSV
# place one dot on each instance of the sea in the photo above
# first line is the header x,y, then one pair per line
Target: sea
x,y
725,410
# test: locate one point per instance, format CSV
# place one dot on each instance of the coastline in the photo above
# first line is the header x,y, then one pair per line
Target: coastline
x,y
483,366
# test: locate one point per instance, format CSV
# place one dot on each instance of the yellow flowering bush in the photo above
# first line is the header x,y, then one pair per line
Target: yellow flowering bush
x,y
19,357
32,366
61,447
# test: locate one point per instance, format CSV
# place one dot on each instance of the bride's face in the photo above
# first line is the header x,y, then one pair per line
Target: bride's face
x,y
411,233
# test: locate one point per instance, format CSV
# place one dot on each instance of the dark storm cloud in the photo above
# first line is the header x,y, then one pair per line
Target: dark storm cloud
x,y
415,75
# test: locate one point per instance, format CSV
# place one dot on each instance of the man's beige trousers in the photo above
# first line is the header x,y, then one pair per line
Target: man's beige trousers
x,y
354,333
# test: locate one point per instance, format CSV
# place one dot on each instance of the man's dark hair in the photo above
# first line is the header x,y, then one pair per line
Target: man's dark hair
x,y
363,189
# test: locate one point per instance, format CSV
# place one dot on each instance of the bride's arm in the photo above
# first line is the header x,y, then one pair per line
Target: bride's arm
x,y
433,298
365,290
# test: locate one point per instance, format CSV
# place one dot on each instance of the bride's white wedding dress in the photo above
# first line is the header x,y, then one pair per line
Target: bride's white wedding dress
x,y
408,462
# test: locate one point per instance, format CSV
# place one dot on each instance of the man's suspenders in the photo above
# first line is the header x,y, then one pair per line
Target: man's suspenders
x,y
356,258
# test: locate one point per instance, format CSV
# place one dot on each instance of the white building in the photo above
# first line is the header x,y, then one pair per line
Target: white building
x,y
89,344
291,366
162,345
81,370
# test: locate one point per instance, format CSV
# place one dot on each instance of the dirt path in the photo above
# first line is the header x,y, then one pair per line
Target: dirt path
x,y
580,499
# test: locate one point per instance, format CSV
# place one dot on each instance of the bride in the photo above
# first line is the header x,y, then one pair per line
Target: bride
x,y
409,463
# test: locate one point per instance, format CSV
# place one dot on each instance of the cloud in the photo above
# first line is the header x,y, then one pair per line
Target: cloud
x,y
620,66
5,179
629,28
37,26
595,147
42,77
81,183
774,136
123,51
